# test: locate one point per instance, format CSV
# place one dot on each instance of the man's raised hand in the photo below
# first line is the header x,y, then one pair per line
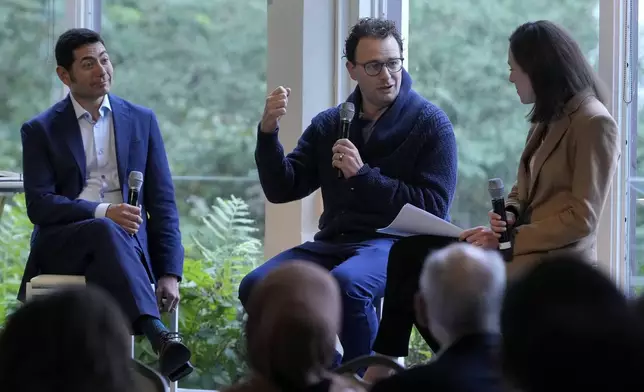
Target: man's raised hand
x,y
274,109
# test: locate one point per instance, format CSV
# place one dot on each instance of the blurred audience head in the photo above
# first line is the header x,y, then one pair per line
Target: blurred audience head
x,y
548,68
567,327
461,289
294,314
83,64
374,50
73,340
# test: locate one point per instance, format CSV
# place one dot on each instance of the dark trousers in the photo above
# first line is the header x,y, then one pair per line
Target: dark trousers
x,y
405,264
361,271
108,257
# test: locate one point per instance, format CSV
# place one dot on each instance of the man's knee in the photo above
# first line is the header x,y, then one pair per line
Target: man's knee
x,y
105,229
353,288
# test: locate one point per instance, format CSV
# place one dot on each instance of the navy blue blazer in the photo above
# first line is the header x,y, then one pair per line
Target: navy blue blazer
x,y
54,171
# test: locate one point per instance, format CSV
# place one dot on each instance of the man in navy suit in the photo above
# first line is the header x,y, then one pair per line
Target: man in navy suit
x,y
77,156
460,296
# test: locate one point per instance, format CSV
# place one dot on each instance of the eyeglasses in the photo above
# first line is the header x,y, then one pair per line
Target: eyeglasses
x,y
373,68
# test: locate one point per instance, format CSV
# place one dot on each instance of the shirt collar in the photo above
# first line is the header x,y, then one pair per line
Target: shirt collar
x,y
81,112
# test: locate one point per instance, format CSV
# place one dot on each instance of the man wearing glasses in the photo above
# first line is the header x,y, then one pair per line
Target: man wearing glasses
x,y
401,149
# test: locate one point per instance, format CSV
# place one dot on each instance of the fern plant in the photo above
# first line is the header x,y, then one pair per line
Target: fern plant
x,y
219,255
15,236
419,351
227,239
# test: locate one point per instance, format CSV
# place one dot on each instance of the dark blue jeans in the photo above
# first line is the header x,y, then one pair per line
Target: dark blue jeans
x,y
361,271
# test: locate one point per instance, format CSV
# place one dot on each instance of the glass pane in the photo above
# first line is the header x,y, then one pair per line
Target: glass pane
x,y
27,64
201,66
28,86
458,60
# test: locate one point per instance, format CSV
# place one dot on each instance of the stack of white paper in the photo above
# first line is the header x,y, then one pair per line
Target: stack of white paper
x,y
412,220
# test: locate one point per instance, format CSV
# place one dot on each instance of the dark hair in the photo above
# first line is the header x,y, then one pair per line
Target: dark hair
x,y
72,340
566,326
555,65
370,28
71,40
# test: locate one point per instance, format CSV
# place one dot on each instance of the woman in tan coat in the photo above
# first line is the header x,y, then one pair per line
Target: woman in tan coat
x,y
563,179
571,152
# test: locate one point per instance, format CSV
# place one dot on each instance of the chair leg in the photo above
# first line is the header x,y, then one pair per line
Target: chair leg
x,y
2,201
174,320
379,304
28,292
174,327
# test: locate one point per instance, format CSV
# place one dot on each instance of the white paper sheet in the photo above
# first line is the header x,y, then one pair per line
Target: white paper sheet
x,y
412,220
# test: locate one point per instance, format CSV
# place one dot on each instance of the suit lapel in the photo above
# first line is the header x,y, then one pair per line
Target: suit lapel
x,y
543,150
67,125
122,133
557,130
523,177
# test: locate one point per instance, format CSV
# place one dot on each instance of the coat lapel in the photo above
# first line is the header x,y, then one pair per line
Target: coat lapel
x,y
67,123
556,131
122,133
523,178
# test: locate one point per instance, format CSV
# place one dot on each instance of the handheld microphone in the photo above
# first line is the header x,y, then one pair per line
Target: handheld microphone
x,y
134,182
496,189
347,111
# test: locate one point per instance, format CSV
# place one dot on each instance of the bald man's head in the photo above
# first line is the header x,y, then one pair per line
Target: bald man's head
x,y
293,318
461,290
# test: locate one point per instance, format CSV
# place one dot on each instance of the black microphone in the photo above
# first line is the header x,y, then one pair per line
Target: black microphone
x,y
347,111
134,183
496,189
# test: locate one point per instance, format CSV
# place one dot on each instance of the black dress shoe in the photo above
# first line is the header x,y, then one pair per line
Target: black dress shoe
x,y
180,373
174,356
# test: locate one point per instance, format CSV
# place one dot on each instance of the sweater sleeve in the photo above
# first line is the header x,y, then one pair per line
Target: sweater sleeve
x,y
434,183
291,177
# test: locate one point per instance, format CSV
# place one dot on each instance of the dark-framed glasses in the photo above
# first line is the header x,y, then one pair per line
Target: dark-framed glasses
x,y
373,68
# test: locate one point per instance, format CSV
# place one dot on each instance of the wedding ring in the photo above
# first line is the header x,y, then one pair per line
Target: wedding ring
x,y
341,155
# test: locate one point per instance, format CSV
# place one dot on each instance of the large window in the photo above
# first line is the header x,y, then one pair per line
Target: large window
x,y
28,29
28,85
201,66
458,60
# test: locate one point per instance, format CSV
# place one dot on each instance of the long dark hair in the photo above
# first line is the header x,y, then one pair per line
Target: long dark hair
x,y
73,340
556,67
